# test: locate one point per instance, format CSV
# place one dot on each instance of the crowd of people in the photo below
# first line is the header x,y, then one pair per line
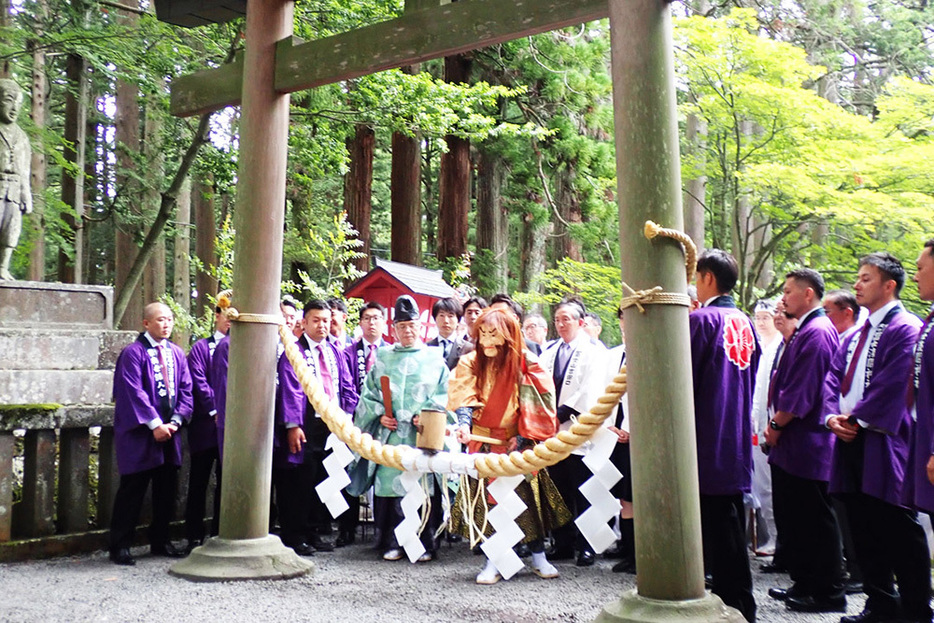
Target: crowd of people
x,y
818,413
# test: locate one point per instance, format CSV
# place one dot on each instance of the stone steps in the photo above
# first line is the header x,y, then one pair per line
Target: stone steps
x,y
32,349
64,387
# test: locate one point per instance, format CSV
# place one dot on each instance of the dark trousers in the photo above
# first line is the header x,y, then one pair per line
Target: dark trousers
x,y
202,464
387,514
294,489
320,516
129,501
568,476
890,545
349,520
724,537
812,549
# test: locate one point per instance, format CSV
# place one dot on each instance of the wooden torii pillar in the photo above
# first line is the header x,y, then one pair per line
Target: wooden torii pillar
x,y
670,580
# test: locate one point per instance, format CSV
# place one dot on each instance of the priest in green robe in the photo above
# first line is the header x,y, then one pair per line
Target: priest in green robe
x,y
418,379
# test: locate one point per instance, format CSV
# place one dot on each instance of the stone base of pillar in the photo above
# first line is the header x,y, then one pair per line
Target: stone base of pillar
x,y
633,608
223,560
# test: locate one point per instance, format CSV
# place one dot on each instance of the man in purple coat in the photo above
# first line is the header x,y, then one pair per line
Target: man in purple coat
x,y
152,399
219,364
864,408
202,434
919,490
725,356
301,435
800,454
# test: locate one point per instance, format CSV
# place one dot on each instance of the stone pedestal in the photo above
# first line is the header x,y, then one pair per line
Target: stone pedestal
x,y
265,558
633,608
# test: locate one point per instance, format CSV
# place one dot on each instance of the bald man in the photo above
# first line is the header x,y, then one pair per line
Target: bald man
x,y
152,399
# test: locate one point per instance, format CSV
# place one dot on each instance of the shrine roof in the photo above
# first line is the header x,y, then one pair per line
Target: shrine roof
x,y
415,278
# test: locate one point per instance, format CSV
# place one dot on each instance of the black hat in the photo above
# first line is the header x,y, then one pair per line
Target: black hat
x,y
406,309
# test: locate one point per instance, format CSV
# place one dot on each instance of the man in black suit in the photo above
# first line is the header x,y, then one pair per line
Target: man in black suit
x,y
447,313
361,355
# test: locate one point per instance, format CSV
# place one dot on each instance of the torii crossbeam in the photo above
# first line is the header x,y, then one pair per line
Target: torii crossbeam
x,y
670,579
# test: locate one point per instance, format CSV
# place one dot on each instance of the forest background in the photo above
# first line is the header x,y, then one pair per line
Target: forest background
x,y
807,139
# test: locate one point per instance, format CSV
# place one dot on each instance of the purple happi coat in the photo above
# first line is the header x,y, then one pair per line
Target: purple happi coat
x,y
136,402
806,445
202,432
886,440
292,407
725,356
918,491
219,365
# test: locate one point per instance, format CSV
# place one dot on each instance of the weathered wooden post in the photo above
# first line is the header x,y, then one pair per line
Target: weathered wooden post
x,y
245,549
665,489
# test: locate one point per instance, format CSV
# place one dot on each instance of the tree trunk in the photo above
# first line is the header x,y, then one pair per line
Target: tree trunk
x,y
5,22
38,168
491,268
534,237
76,114
569,210
358,189
454,183
98,262
202,192
695,190
406,202
154,279
181,281
128,140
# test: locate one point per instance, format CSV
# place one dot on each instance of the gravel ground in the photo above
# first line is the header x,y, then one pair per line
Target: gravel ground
x,y
351,584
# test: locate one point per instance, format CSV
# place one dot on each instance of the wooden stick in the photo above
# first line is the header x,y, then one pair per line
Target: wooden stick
x,y
387,395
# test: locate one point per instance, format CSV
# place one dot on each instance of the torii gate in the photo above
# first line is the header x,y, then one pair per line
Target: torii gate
x,y
671,578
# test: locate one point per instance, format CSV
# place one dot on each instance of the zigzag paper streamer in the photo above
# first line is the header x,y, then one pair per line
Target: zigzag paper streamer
x,y
329,489
407,531
498,548
592,523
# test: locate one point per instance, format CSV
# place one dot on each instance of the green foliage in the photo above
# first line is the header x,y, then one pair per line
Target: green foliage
x,y
329,254
598,286
821,184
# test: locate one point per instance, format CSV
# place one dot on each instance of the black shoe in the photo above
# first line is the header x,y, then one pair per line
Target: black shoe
x,y
585,559
771,567
809,603
626,565
869,616
522,550
321,545
167,550
782,594
122,556
450,537
303,549
560,553
616,552
192,543
345,538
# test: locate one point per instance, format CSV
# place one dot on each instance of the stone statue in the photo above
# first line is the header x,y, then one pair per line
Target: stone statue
x,y
15,192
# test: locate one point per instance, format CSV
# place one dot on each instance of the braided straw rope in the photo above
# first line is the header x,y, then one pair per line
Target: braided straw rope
x,y
653,230
488,465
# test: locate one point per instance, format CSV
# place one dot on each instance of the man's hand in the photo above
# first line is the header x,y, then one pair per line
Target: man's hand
x,y
840,426
163,432
296,439
463,434
389,422
512,444
931,470
622,436
772,436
